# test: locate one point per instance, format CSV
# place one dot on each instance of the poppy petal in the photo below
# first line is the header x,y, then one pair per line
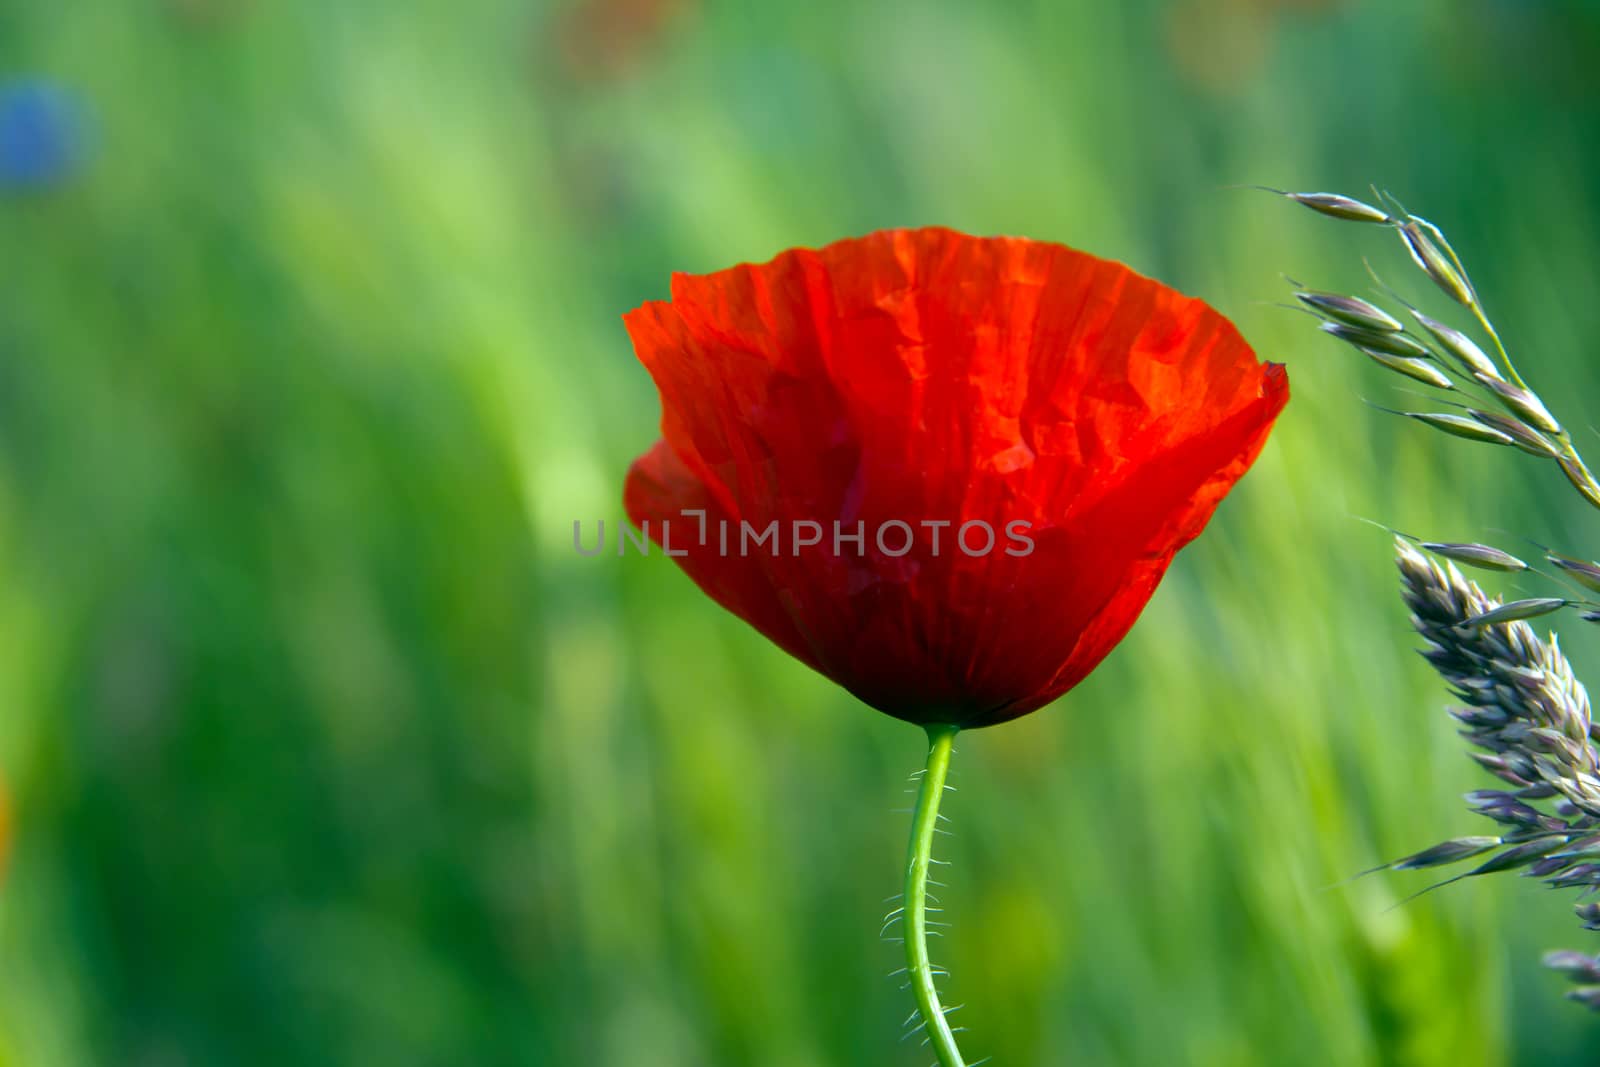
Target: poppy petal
x,y
949,384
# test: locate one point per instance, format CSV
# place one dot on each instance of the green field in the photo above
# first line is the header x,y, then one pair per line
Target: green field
x,y
326,748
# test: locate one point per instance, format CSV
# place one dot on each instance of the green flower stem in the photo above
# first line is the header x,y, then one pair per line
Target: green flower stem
x,y
919,855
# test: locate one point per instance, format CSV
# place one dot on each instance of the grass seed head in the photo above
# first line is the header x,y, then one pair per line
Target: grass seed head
x,y
1475,555
1527,711
1522,403
1422,370
1582,969
1350,310
1395,344
1530,608
1583,572
1516,856
1474,360
1523,436
1436,264
1578,474
1461,426
1339,207
1452,851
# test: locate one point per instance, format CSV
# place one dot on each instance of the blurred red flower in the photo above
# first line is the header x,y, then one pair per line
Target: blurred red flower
x,y
600,39
928,381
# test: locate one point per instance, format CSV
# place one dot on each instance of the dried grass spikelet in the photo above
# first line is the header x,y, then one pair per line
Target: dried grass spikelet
x,y
1529,717
1520,690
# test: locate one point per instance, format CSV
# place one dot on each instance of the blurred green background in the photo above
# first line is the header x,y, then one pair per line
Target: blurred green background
x,y
323,745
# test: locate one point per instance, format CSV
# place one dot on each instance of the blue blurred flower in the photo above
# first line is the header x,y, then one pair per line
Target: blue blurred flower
x,y
41,134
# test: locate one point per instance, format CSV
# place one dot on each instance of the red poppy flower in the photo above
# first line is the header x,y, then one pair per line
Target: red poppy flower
x,y
1048,426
